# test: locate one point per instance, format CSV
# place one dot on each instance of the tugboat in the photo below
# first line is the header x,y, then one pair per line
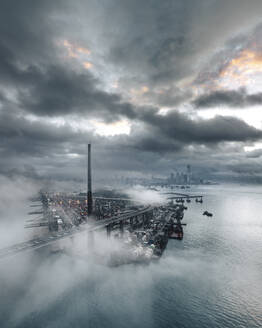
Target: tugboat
x,y
208,214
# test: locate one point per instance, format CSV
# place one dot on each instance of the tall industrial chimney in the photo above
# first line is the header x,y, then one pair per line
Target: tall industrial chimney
x,y
89,183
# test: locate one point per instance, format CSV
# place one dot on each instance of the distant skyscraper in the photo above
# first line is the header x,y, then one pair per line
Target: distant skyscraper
x,y
188,173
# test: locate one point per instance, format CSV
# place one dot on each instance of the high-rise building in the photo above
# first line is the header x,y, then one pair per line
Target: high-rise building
x,y
188,173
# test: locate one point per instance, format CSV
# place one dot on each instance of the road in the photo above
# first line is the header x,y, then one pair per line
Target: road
x,y
85,227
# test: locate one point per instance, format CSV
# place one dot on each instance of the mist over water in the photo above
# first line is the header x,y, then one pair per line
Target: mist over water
x,y
213,278
140,194
14,208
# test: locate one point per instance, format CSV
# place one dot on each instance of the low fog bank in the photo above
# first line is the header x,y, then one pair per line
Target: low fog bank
x,y
145,196
77,288
68,284
200,282
15,203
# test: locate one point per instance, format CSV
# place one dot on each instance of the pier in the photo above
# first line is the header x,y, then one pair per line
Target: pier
x,y
67,215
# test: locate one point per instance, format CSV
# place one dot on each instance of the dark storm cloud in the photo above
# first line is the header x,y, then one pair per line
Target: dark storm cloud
x,y
169,97
154,41
31,134
246,167
161,42
47,145
53,90
60,91
29,33
232,98
30,65
157,145
157,43
257,153
178,126
37,149
46,148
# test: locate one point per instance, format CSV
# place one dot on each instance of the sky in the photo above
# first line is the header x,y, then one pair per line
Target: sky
x,y
153,85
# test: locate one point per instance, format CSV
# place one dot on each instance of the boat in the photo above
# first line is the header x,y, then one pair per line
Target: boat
x,y
176,232
208,214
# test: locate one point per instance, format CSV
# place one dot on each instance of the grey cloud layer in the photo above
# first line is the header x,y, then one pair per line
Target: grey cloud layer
x,y
233,98
163,41
179,127
157,43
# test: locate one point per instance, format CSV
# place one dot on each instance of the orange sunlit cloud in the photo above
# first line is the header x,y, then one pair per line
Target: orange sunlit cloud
x,y
144,89
242,70
74,50
87,65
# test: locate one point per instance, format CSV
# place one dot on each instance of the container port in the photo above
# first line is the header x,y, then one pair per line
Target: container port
x,y
143,230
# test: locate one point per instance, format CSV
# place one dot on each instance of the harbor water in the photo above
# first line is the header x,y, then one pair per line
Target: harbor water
x,y
213,278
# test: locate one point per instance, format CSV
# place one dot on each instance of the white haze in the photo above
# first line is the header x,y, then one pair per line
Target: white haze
x,y
75,288
36,281
145,196
14,208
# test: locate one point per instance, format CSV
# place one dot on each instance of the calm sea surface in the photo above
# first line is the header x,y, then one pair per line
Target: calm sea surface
x,y
213,278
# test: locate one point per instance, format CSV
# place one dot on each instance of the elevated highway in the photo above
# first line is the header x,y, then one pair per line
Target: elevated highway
x,y
85,227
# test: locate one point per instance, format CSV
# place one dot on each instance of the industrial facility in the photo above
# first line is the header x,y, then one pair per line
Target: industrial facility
x,y
143,230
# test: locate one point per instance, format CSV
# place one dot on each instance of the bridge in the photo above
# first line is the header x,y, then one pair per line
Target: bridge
x,y
178,195
132,218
